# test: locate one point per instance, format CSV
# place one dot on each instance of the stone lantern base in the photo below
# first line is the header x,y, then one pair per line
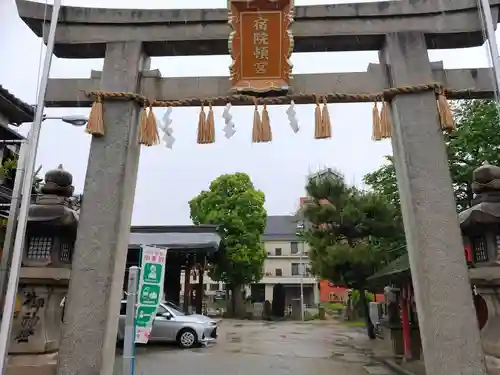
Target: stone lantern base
x,y
490,333
42,364
489,291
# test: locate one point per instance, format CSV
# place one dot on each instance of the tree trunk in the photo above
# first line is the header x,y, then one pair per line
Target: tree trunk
x,y
237,301
370,329
230,301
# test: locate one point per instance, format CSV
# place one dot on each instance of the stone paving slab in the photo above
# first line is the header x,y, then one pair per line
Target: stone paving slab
x,y
277,348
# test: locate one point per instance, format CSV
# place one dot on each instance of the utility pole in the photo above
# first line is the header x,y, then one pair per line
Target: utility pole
x,y
12,220
27,184
487,18
300,228
301,271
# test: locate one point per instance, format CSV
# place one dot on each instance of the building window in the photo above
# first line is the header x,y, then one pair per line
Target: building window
x,y
480,249
294,246
277,251
279,272
295,269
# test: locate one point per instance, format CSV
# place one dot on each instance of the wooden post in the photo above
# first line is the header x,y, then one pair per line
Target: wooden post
x,y
201,291
187,285
405,322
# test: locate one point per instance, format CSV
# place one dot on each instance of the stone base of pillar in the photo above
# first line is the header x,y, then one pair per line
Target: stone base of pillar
x,y
30,364
490,333
493,365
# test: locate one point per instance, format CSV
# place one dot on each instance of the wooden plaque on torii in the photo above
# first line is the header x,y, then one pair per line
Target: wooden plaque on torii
x,y
260,45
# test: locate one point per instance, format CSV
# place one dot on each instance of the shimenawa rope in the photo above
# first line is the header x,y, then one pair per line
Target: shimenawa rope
x,y
261,132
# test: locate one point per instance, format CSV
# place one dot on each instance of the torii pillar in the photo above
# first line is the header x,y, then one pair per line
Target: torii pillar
x,y
448,328
91,320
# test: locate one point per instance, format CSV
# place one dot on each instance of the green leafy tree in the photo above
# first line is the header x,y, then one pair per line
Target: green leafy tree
x,y
345,229
475,141
233,203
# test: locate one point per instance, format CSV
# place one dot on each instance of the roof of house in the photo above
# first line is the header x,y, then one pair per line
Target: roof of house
x,y
16,111
176,236
394,271
281,228
7,134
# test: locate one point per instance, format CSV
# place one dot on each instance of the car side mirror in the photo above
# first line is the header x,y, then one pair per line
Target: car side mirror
x,y
167,315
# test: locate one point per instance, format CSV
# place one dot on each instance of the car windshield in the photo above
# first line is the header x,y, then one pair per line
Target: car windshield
x,y
175,311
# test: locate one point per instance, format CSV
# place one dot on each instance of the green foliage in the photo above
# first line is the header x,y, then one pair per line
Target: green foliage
x,y
347,227
475,141
336,306
233,203
8,167
356,300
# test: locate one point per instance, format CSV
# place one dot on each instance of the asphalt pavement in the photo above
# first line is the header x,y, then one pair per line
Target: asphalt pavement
x,y
270,348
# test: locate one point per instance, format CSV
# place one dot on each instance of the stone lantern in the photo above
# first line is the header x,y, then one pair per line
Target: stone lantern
x,y
480,225
44,277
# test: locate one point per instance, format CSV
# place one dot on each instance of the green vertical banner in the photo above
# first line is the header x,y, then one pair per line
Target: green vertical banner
x,y
150,290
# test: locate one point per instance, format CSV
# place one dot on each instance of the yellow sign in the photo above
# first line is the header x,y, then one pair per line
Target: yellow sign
x,y
17,308
260,45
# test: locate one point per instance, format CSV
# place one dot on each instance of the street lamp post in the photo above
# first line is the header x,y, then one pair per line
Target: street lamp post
x,y
300,228
33,139
301,269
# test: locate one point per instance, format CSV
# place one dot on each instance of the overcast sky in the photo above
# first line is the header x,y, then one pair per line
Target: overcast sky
x,y
169,178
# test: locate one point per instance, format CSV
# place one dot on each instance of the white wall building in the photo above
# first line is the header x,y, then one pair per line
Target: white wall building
x,y
287,262
285,254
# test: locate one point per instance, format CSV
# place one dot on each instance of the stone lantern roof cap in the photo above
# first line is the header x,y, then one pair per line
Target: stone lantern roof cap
x,y
486,202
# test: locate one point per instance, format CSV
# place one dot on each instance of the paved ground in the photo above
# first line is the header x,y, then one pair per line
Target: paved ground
x,y
254,348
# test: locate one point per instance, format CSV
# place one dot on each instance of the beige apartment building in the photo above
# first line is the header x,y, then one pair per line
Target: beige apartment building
x,y
287,263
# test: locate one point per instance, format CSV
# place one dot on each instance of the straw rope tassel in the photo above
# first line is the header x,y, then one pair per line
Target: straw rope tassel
x,y
95,125
317,121
385,121
202,126
445,113
325,120
267,135
143,126
210,125
376,131
152,137
257,126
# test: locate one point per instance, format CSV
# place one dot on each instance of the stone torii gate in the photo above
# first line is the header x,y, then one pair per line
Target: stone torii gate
x,y
402,31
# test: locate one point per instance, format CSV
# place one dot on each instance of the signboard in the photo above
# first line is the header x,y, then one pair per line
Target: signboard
x,y
150,291
260,45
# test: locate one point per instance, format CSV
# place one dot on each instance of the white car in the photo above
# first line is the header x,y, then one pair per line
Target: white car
x,y
171,325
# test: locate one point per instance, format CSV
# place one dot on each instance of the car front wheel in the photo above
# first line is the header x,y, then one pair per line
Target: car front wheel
x,y
187,338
